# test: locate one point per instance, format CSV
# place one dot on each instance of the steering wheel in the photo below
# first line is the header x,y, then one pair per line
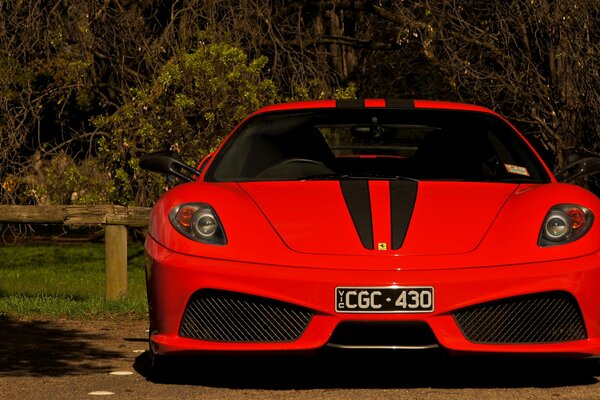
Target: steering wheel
x,y
292,168
299,161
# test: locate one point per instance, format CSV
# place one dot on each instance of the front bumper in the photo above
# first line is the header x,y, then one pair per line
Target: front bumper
x,y
174,278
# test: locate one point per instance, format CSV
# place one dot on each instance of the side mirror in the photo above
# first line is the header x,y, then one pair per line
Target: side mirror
x,y
168,163
579,168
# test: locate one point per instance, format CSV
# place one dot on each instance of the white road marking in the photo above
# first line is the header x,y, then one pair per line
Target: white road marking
x,y
122,373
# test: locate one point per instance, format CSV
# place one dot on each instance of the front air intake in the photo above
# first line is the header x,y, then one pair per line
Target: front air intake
x,y
550,317
222,316
407,335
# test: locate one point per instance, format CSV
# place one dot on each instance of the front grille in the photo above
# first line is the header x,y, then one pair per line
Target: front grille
x,y
550,317
402,335
232,317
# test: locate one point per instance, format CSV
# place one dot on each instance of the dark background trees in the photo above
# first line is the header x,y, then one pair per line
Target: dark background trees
x,y
87,85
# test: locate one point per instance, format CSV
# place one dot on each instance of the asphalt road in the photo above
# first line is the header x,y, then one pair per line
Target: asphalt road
x,y
71,359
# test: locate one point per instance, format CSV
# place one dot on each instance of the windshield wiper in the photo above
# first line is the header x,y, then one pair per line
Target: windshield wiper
x,y
366,177
518,180
326,177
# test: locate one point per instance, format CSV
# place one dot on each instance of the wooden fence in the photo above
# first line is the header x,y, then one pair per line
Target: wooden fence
x,y
115,220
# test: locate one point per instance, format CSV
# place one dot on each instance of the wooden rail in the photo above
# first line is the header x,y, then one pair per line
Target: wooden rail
x,y
115,219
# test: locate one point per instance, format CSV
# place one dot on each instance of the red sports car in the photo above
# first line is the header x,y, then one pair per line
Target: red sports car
x,y
362,224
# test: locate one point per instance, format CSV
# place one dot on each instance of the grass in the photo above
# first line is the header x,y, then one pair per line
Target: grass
x,y
66,281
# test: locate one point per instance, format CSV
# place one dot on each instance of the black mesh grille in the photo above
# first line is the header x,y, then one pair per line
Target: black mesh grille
x,y
231,317
551,317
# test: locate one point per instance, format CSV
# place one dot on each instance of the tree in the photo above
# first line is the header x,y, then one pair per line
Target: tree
x,y
535,61
75,75
61,63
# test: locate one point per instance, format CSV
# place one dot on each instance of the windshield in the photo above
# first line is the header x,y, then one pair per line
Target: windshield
x,y
376,144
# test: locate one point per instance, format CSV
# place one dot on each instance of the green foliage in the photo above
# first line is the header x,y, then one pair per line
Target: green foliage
x,y
195,100
348,92
306,92
14,77
63,180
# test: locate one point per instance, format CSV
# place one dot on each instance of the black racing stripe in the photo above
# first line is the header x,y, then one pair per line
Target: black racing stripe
x,y
399,103
403,195
358,200
350,103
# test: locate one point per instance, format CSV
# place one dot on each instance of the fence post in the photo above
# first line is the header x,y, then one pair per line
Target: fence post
x,y
115,220
115,238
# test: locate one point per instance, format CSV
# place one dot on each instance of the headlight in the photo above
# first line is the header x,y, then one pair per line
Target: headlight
x,y
204,223
199,222
565,223
557,226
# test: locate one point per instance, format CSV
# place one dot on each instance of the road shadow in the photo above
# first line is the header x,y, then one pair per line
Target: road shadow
x,y
44,348
326,370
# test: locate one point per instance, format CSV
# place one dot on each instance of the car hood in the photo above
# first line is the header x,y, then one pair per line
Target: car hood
x,y
319,217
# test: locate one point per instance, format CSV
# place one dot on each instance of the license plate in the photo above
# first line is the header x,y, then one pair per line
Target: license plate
x,y
391,299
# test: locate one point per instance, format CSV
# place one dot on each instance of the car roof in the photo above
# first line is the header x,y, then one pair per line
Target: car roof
x,y
374,103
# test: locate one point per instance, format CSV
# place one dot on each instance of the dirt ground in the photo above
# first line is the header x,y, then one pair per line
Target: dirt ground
x,y
74,359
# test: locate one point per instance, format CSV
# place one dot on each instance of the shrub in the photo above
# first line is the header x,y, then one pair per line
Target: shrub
x,y
194,101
